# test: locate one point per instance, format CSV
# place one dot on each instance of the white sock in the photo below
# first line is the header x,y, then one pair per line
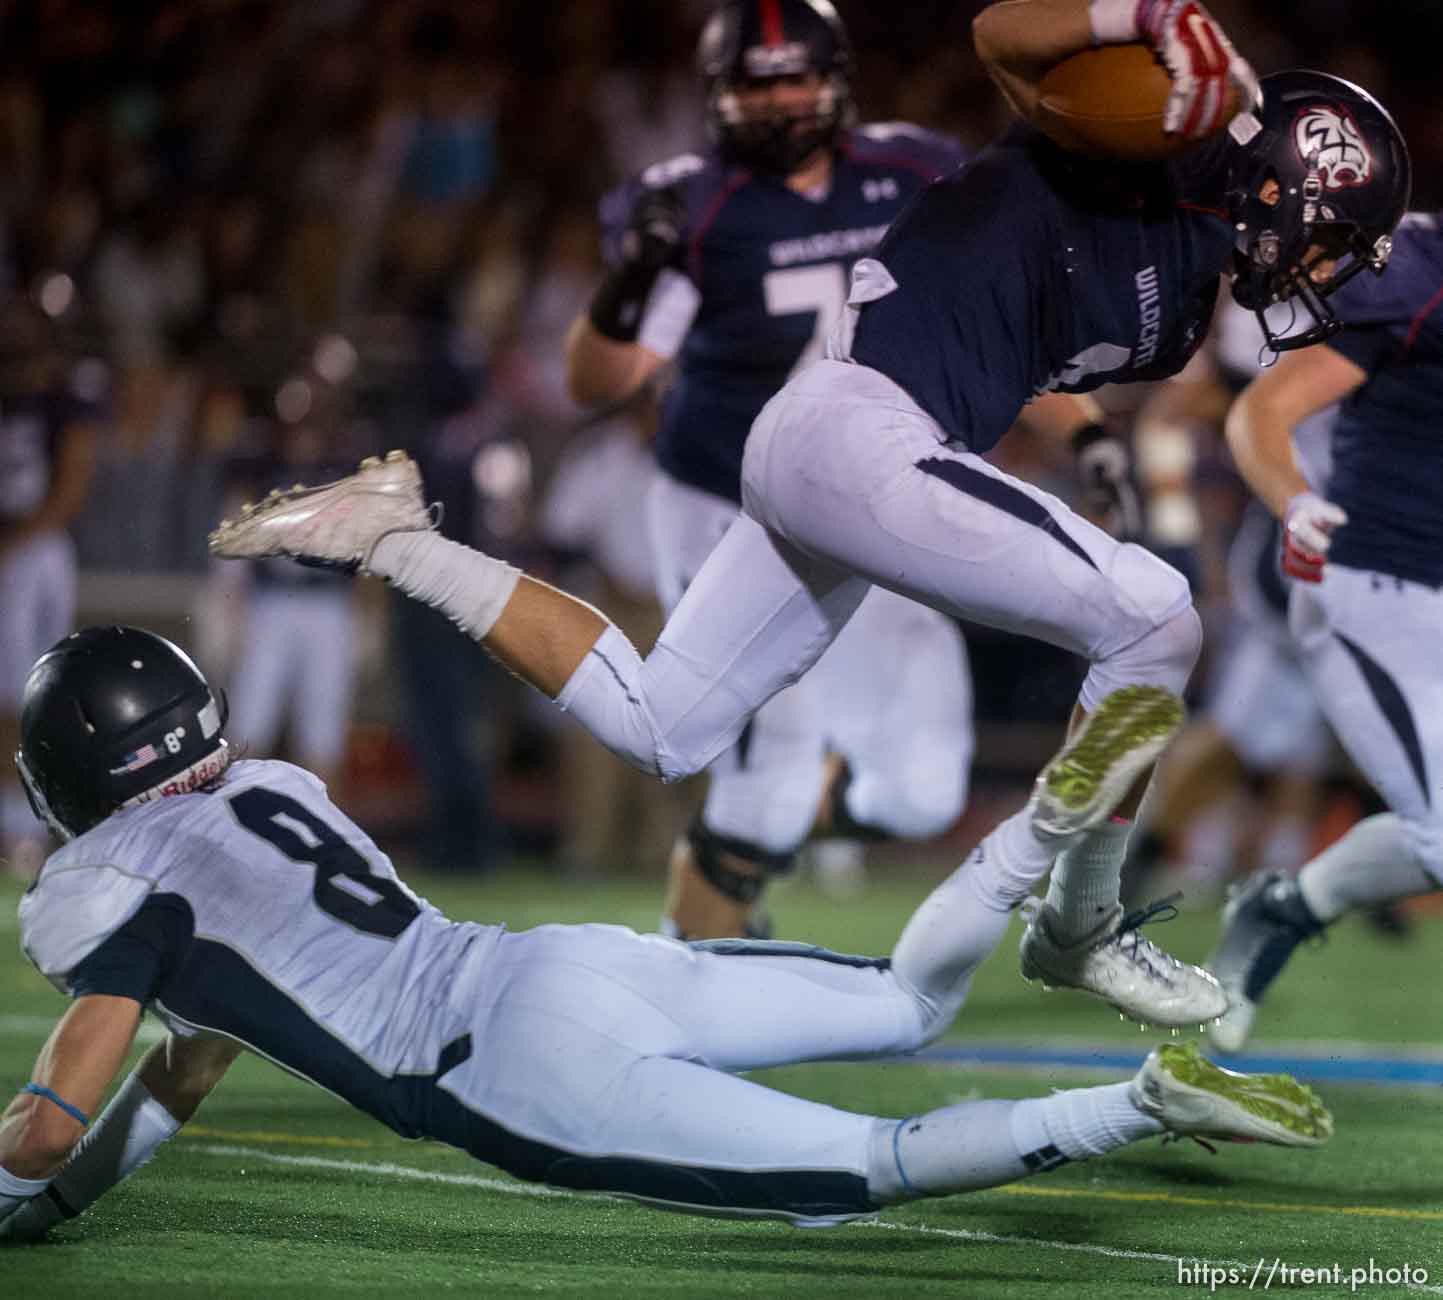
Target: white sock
x,y
1086,881
469,587
979,1144
1373,863
963,920
1080,1122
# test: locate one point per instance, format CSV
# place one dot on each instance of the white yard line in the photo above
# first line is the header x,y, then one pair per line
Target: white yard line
x,y
508,1188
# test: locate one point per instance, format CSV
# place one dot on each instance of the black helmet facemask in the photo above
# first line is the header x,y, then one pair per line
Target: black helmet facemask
x,y
751,42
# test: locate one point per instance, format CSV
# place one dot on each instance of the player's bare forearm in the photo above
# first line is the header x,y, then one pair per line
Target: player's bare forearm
x,y
1261,422
600,369
1019,40
73,1070
181,1072
543,635
1260,439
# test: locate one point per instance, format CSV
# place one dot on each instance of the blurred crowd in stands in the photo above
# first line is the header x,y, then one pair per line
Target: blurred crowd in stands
x,y
272,236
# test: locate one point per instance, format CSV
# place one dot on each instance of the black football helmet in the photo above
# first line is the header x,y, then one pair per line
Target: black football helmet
x,y
1343,180
114,716
757,41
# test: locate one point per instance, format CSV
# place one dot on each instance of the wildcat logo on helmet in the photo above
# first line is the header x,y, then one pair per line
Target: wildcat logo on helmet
x,y
1328,137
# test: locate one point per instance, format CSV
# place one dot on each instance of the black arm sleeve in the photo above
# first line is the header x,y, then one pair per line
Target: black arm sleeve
x,y
135,960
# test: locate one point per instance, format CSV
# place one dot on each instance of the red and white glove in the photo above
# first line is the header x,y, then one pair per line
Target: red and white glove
x,y
1197,54
1308,524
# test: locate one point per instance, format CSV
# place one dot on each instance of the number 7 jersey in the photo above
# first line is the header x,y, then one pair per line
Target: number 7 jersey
x,y
258,911
760,279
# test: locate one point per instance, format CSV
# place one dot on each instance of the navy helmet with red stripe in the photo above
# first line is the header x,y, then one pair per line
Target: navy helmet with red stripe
x,y
1340,181
757,41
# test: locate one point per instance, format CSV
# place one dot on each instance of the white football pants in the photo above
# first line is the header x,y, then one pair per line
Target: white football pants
x,y
298,662
893,695
1369,642
607,1060
846,484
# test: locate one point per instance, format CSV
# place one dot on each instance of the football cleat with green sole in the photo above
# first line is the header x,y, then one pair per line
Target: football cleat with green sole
x,y
1191,1097
1117,743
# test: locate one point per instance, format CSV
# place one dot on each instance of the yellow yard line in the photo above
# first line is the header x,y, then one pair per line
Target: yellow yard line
x,y
266,1135
1226,1203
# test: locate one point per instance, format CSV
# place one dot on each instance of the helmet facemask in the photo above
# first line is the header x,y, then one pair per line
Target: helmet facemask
x,y
777,141
1271,258
1320,174
751,44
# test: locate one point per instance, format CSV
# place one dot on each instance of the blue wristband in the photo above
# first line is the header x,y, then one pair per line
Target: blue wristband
x,y
74,1112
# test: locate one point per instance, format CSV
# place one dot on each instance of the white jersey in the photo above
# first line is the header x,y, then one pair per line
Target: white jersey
x,y
278,923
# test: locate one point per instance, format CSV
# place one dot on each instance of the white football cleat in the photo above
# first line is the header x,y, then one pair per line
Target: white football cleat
x,y
1120,966
337,524
1117,743
1191,1097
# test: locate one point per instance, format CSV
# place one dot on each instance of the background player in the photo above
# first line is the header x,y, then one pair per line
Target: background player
x,y
48,426
240,905
867,468
1261,722
1366,604
735,262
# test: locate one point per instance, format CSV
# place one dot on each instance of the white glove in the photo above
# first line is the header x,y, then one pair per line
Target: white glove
x,y
1308,524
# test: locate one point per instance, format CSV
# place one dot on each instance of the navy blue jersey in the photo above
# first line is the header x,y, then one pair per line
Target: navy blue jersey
x,y
770,270
1033,270
31,428
1388,438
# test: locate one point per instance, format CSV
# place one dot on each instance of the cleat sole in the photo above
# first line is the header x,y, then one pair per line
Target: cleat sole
x,y
1278,1101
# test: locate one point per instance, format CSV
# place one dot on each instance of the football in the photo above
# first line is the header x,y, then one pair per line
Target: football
x,y
1109,102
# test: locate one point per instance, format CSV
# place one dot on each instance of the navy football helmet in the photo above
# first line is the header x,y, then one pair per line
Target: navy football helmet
x,y
747,41
115,716
1342,180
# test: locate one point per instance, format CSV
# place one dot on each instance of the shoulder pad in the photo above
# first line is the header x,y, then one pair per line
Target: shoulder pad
x,y
72,910
906,143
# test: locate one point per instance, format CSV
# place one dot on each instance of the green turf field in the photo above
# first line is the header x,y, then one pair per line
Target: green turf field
x,y
279,1190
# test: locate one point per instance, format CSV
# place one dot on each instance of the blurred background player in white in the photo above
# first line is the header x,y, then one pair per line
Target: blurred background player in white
x,y
304,629
49,414
734,262
1366,559
1260,722
237,903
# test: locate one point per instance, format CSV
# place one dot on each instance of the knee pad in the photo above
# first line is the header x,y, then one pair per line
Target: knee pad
x,y
1164,657
710,851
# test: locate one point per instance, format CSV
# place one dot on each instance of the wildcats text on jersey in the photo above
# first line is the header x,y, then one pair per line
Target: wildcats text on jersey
x,y
831,243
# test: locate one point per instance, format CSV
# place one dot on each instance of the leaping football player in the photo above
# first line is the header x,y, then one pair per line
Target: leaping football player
x,y
1030,270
